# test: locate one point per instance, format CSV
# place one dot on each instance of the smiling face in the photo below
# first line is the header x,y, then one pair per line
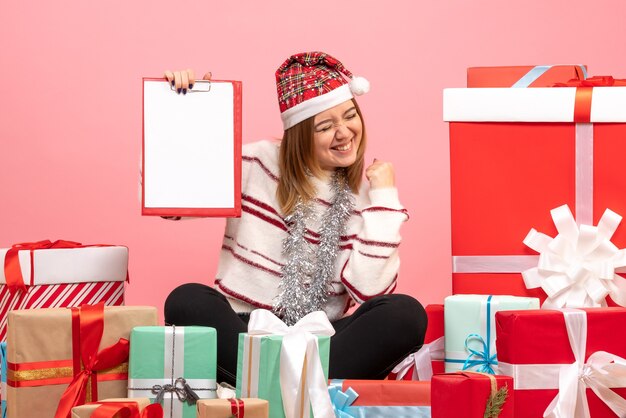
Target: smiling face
x,y
337,134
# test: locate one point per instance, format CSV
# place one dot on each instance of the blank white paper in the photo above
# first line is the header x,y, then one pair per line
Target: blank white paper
x,y
188,147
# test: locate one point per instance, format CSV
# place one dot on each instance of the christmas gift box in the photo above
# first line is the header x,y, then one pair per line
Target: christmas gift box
x,y
517,153
3,379
470,330
429,358
287,366
119,408
380,398
233,408
58,274
473,395
524,75
174,366
59,358
565,363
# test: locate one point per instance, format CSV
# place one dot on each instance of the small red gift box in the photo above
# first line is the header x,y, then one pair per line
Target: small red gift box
x,y
467,394
524,75
540,351
515,154
119,408
429,358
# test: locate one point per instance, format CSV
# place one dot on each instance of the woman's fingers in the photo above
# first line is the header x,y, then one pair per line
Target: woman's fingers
x,y
184,75
182,81
191,76
170,77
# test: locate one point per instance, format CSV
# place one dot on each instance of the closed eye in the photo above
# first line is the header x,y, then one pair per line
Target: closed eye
x,y
323,128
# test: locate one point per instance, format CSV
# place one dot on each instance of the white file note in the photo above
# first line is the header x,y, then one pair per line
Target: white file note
x,y
189,147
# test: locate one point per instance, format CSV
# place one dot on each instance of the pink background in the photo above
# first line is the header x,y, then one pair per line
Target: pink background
x,y
70,106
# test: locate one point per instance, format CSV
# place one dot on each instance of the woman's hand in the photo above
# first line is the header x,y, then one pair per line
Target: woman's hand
x,y
380,174
183,80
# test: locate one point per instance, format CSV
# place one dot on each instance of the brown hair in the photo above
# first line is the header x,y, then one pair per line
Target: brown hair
x,y
297,161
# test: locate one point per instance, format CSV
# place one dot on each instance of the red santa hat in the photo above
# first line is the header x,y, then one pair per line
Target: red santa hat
x,y
310,82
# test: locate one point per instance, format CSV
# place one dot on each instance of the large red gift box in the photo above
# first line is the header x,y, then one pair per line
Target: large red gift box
x,y
465,395
56,274
433,349
524,75
523,341
515,154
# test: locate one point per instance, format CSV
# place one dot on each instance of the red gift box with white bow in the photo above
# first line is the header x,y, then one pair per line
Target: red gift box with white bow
x,y
565,363
515,155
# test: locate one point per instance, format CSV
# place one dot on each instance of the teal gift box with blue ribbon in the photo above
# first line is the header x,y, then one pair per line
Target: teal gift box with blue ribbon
x,y
470,329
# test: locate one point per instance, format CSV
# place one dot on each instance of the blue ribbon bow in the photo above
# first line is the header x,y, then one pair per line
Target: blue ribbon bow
x,y
483,358
341,400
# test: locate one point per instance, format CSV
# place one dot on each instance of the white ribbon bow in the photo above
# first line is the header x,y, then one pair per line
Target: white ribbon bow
x,y
577,268
601,372
422,359
226,391
302,378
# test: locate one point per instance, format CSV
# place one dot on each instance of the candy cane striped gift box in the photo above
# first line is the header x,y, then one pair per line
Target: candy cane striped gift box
x,y
62,277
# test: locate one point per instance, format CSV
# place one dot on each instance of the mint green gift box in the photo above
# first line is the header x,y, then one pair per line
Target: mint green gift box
x,y
258,368
164,359
470,329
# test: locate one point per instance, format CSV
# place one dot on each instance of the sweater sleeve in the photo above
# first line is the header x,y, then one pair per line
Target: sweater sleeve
x,y
373,265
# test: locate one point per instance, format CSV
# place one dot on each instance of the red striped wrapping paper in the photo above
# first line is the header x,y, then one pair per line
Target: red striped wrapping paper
x,y
66,277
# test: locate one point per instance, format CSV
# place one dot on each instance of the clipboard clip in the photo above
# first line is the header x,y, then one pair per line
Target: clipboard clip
x,y
199,86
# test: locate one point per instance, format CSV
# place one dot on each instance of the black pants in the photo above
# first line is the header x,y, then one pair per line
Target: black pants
x,y
366,344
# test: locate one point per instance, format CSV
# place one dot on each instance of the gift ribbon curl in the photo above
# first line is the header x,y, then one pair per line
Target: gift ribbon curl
x,y
482,358
301,374
577,268
183,391
421,359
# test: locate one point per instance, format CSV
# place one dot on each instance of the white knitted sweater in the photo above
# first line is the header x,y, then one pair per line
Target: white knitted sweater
x,y
249,270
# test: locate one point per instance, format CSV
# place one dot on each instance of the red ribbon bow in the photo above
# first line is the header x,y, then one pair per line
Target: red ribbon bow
x,y
12,269
597,81
236,407
584,92
127,409
87,330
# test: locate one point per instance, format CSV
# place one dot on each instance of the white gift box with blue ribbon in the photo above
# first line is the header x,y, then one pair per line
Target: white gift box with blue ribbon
x,y
470,330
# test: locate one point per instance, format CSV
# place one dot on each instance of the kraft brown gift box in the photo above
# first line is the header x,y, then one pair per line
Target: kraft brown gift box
x,y
222,408
45,335
85,411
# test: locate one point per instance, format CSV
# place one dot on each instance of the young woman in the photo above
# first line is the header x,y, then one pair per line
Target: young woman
x,y
311,235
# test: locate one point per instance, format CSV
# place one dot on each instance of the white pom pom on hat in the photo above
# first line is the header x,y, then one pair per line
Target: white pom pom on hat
x,y
359,85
